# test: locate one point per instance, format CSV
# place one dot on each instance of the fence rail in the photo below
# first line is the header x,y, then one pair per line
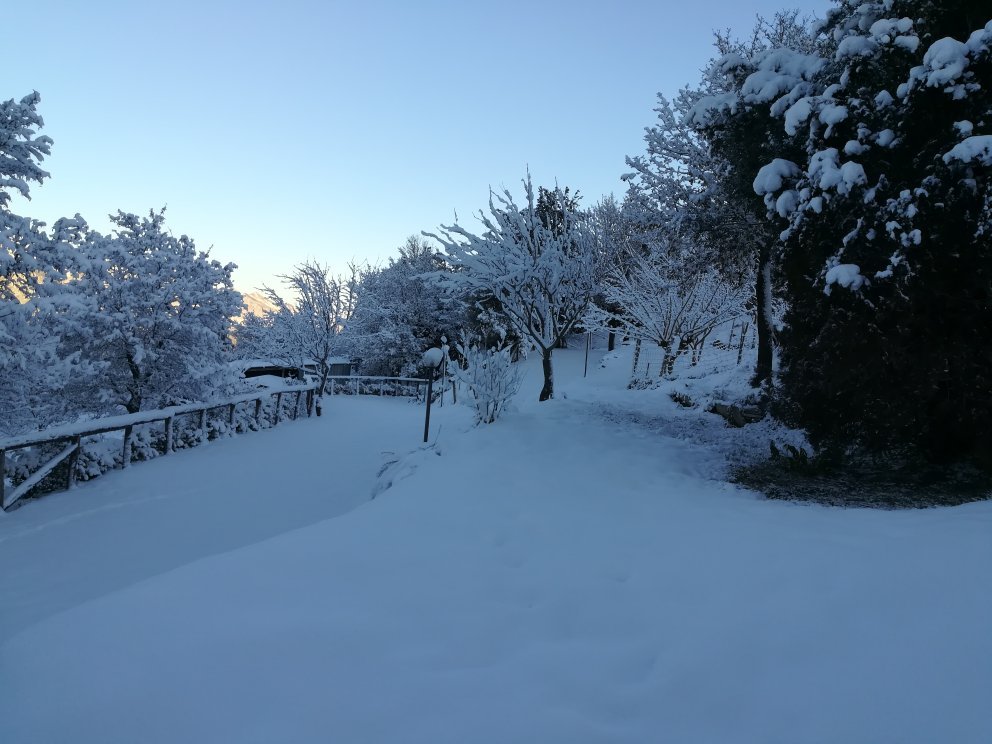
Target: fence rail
x,y
73,434
358,383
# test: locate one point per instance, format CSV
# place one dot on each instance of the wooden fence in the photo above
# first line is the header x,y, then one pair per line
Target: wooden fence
x,y
73,435
366,384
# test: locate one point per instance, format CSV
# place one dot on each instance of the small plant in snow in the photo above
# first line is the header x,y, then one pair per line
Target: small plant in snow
x,y
491,378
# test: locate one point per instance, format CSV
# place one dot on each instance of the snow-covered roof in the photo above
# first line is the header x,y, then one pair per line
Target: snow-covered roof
x,y
250,363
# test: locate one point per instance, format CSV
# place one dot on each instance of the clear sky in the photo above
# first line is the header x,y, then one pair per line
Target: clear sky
x,y
279,131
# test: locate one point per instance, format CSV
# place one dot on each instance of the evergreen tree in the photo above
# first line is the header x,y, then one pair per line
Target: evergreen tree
x,y
887,255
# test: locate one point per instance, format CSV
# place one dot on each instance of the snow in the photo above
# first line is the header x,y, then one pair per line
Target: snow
x,y
827,172
883,99
771,176
946,60
890,27
964,127
855,46
797,114
853,147
886,137
568,574
846,275
702,112
976,148
909,43
895,31
432,357
831,114
777,72
787,202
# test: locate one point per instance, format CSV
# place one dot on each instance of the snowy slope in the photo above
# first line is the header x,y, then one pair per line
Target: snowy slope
x,y
551,578
124,527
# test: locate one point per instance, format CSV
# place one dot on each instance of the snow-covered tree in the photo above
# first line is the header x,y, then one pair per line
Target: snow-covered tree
x,y
400,311
660,297
887,252
542,276
33,266
734,114
308,332
154,315
617,236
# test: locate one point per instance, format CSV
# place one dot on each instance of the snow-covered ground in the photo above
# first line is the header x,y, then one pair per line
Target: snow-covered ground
x,y
561,576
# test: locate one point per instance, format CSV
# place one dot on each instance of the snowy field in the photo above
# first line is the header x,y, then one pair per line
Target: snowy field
x,y
561,576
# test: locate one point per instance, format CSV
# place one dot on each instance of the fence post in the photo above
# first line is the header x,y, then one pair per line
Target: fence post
x,y
168,436
3,476
203,425
278,408
127,446
356,385
427,416
258,413
310,396
70,479
382,384
230,415
296,405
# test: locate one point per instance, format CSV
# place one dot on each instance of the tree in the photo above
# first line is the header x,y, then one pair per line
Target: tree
x,y
91,324
400,311
308,333
33,265
696,179
155,315
542,277
658,297
618,237
887,255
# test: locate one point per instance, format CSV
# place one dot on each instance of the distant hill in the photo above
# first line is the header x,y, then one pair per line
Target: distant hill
x,y
254,302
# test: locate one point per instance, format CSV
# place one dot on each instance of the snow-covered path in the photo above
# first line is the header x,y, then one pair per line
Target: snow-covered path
x,y
550,578
68,548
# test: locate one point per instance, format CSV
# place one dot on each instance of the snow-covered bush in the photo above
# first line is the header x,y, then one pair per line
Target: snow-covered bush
x,y
491,377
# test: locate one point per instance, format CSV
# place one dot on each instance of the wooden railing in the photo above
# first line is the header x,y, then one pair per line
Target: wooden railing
x,y
73,435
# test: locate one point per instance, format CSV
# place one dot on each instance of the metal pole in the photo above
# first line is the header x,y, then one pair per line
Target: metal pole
x,y
427,417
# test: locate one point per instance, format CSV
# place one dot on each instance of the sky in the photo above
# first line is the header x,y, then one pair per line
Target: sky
x,y
276,132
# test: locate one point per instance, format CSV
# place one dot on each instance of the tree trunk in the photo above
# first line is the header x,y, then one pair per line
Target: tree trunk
x,y
740,347
548,391
667,363
765,331
134,404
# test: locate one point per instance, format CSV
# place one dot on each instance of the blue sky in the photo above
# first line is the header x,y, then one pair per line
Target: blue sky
x,y
276,132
